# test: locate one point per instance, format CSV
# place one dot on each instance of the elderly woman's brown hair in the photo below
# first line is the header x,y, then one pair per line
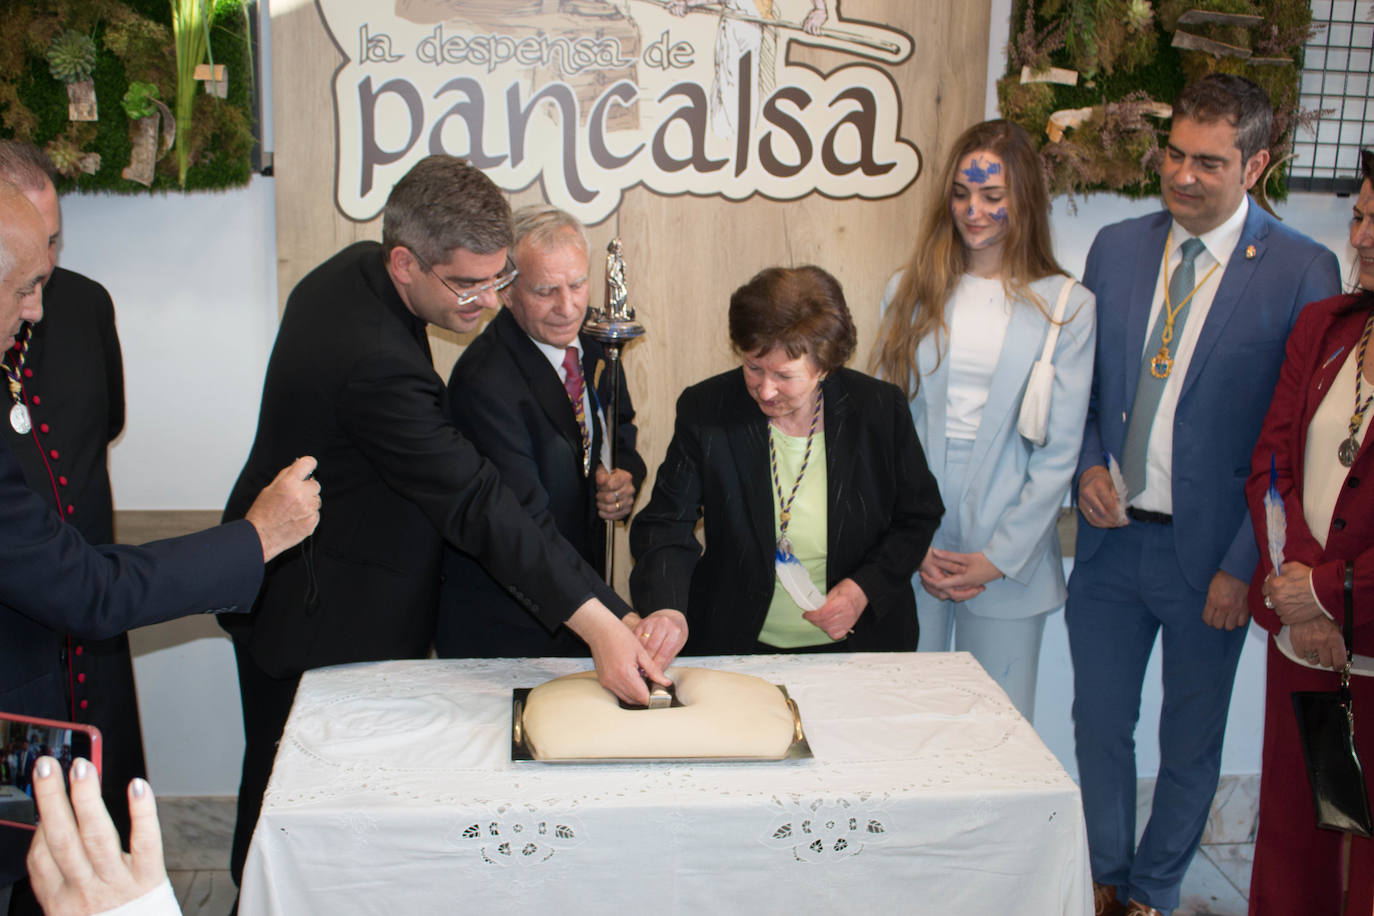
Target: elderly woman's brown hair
x,y
798,309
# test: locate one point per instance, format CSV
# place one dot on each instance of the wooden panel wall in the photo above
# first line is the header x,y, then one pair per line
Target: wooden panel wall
x,y
684,255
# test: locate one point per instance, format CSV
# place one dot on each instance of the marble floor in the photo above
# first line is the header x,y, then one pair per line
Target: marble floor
x,y
1218,881
196,834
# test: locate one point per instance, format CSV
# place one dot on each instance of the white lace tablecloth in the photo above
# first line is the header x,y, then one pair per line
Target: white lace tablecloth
x,y
393,793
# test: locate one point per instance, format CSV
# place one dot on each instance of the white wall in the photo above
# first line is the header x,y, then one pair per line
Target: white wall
x,y
193,278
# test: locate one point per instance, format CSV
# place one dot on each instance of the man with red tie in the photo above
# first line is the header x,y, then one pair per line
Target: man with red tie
x,y
525,393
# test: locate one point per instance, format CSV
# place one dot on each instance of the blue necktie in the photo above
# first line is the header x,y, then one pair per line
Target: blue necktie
x,y
1148,388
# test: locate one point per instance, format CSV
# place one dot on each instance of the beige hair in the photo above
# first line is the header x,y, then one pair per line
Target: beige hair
x,y
542,226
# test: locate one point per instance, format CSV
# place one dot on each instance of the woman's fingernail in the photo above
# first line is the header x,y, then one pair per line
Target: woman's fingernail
x,y
44,768
80,769
139,787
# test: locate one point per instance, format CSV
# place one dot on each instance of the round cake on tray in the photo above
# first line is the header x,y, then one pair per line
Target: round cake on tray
x,y
723,715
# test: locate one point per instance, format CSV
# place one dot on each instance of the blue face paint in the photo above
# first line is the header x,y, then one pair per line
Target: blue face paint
x,y
1000,214
976,173
969,213
995,168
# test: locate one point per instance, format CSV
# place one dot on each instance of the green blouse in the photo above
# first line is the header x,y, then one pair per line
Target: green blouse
x,y
807,530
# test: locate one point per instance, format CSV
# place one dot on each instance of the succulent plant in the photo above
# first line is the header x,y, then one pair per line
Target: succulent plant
x,y
1139,15
65,155
138,101
71,57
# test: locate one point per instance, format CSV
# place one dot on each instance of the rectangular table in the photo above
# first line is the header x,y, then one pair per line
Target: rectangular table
x,y
393,792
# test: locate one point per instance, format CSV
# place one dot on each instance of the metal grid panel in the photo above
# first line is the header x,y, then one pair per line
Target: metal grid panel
x,y
1336,78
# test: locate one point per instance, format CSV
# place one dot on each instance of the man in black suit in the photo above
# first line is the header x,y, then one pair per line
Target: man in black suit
x,y
53,582
515,394
351,380
71,378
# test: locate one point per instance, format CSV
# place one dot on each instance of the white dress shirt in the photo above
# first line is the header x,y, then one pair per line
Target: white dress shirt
x,y
1219,244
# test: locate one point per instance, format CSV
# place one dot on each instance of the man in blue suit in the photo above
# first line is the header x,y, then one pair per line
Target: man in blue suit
x,y
1194,305
52,582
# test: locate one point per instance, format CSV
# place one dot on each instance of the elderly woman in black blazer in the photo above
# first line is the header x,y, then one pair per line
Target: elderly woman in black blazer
x,y
813,489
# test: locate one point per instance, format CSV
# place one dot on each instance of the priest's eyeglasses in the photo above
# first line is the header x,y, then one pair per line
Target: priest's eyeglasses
x,y
470,294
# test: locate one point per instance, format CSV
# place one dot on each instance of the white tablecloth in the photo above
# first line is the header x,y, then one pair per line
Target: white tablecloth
x,y
394,793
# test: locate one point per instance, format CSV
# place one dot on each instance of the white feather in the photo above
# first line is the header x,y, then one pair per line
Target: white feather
x,y
798,584
1118,484
1276,526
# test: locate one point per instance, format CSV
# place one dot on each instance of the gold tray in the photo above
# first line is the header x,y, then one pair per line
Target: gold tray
x,y
799,749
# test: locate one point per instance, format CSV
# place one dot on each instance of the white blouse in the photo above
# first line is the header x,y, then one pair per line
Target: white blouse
x,y
1323,476
979,315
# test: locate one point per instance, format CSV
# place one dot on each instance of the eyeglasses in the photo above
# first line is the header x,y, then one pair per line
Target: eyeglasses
x,y
473,293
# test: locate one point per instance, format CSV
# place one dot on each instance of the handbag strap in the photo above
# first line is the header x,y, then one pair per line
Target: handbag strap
x,y
1052,338
1348,627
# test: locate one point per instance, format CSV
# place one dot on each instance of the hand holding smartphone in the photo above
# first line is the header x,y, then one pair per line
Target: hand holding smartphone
x,y
23,739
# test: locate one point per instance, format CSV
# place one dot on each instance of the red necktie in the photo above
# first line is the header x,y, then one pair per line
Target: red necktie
x,y
573,384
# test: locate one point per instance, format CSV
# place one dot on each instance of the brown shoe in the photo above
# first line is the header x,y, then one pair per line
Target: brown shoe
x,y
1105,902
1140,909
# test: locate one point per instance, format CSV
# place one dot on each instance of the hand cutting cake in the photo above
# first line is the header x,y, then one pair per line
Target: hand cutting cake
x,y
723,714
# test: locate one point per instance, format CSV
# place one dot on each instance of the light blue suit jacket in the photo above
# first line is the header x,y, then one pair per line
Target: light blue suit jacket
x,y
1273,272
1014,489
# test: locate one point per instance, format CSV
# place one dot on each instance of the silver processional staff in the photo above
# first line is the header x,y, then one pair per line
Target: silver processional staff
x,y
613,326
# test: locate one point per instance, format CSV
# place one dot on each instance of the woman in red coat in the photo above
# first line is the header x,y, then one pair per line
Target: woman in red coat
x,y
1317,433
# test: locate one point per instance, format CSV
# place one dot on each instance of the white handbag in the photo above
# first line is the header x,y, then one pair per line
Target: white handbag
x,y
1034,421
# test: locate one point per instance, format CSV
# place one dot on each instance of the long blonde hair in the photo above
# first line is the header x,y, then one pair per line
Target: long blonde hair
x,y
941,258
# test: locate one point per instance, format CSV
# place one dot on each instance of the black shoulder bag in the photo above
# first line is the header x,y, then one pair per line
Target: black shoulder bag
x,y
1326,727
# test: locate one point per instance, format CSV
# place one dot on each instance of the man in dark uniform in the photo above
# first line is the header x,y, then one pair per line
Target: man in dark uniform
x,y
352,381
53,582
70,375
513,395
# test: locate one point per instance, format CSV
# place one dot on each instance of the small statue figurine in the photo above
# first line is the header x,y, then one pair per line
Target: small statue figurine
x,y
617,290
615,323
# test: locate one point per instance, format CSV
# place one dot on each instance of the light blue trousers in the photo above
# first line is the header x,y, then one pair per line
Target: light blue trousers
x,y
1009,649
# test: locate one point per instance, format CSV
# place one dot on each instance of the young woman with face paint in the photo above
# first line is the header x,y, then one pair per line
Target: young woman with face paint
x,y
963,323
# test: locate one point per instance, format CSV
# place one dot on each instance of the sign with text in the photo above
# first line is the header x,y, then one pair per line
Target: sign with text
x,y
593,97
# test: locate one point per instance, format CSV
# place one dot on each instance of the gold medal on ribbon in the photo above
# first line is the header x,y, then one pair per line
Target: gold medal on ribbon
x,y
1162,364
